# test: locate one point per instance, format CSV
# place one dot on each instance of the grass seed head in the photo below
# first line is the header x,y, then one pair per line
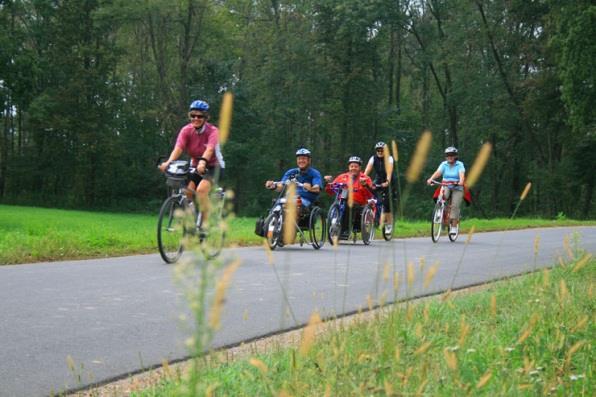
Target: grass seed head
x,y
419,158
423,348
410,274
526,191
225,117
309,333
582,262
484,379
220,293
430,275
536,244
450,358
479,164
493,306
289,230
394,151
258,364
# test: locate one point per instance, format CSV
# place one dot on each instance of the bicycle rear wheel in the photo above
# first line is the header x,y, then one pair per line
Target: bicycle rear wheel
x,y
170,229
437,222
317,228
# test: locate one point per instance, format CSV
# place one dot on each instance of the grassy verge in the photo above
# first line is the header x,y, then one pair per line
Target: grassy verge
x,y
29,234
532,335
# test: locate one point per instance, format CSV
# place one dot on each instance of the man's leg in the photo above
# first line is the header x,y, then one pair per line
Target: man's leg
x,y
203,194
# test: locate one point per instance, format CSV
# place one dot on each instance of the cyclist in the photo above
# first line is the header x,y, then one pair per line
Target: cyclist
x,y
361,184
453,171
384,179
200,140
309,177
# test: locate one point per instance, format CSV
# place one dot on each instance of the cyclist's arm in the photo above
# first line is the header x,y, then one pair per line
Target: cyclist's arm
x,y
435,175
369,167
175,155
462,177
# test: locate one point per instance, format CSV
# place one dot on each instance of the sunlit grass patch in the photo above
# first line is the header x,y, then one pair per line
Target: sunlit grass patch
x,y
527,336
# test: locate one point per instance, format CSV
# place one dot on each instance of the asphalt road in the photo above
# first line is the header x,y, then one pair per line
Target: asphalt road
x,y
111,317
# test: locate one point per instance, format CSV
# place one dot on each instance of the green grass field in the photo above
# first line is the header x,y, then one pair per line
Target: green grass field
x,y
29,234
528,336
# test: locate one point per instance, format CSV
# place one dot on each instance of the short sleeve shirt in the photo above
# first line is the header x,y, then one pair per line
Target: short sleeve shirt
x,y
195,143
360,194
310,175
451,172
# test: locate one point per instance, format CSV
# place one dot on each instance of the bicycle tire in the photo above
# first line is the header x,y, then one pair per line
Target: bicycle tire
x,y
274,226
436,223
171,230
367,225
333,224
317,228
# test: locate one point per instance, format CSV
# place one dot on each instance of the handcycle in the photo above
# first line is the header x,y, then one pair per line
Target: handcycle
x,y
307,219
380,194
339,210
179,222
441,213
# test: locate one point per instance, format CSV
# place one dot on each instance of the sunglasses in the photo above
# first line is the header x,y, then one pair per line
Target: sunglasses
x,y
379,150
197,116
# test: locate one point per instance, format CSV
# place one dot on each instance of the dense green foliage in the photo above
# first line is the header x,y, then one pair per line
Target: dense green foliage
x,y
29,234
92,91
530,336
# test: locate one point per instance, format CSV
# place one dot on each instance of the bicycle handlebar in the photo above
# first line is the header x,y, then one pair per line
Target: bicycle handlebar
x,y
435,182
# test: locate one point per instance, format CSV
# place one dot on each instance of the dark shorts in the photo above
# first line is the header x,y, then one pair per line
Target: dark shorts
x,y
389,195
210,175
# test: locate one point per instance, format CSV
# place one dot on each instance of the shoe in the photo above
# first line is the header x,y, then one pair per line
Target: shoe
x,y
388,229
453,230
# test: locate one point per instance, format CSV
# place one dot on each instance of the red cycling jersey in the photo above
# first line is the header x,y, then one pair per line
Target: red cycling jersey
x,y
360,193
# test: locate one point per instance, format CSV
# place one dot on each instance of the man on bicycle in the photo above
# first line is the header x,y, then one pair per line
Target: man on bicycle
x,y
453,171
200,140
361,185
309,177
384,182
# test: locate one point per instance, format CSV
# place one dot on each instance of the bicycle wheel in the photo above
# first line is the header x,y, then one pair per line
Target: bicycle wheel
x,y
171,230
367,225
317,228
214,238
333,224
437,222
273,228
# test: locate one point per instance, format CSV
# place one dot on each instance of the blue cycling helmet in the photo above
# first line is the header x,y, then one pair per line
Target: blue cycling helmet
x,y
199,105
303,152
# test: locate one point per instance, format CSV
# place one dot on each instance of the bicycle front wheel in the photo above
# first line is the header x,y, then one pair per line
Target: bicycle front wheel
x,y
170,230
333,224
437,222
367,225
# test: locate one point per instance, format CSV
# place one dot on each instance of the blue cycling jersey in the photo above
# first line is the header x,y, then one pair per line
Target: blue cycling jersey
x,y
310,175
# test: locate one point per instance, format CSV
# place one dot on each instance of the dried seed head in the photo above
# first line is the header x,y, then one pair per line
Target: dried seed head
x,y
225,117
479,164
419,158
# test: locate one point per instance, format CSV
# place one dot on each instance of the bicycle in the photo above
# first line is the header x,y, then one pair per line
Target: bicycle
x,y
441,213
307,219
381,194
178,220
337,212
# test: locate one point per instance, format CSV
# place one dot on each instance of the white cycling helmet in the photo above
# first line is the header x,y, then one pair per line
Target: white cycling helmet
x,y
355,159
303,152
451,150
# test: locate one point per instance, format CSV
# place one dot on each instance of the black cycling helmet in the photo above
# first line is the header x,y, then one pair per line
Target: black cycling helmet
x,y
380,145
303,152
451,150
355,159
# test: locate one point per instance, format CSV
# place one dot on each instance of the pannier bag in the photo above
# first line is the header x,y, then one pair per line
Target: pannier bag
x,y
260,227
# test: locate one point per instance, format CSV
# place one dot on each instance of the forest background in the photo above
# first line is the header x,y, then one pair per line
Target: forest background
x,y
93,91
